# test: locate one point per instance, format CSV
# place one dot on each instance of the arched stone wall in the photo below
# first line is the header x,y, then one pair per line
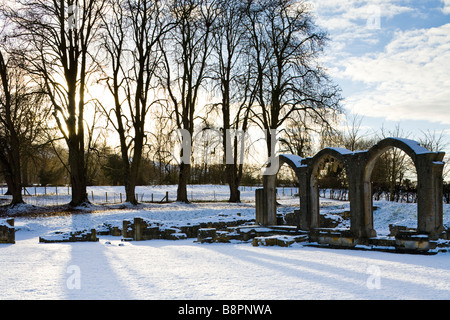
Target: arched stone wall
x,y
340,155
266,212
359,166
429,167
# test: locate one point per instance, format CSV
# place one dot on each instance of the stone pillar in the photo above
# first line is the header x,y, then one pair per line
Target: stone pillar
x,y
138,228
266,205
430,194
127,229
304,175
259,206
360,195
270,196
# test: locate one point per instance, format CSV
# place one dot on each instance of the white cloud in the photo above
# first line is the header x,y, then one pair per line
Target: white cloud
x,y
410,79
446,8
356,23
345,14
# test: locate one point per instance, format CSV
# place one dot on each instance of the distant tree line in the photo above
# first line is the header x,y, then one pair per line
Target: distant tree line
x,y
141,69
105,92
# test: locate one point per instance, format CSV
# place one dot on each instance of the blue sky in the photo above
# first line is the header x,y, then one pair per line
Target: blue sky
x,y
392,60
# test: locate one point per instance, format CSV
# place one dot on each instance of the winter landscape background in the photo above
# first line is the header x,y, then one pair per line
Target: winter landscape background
x,y
189,97
184,269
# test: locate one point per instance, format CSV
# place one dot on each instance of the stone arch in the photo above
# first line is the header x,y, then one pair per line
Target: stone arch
x,y
429,167
340,154
266,212
359,166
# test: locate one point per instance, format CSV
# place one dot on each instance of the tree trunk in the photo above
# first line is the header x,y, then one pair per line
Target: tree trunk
x,y
233,183
77,177
183,177
130,191
134,170
14,189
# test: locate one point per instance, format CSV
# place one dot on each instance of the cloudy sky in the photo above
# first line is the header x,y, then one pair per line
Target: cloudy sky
x,y
392,61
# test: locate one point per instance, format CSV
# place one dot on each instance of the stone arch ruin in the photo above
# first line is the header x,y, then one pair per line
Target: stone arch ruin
x,y
359,166
266,197
333,155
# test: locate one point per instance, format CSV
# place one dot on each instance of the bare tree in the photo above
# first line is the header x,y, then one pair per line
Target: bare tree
x,y
21,121
296,137
9,137
353,138
435,142
57,41
284,45
394,165
186,52
230,76
132,32
163,145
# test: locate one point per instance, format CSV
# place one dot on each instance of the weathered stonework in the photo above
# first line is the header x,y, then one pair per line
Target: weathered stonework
x,y
7,231
358,166
72,236
140,229
286,235
107,229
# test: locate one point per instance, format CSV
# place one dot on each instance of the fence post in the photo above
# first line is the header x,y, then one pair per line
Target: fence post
x,y
121,197
92,194
167,196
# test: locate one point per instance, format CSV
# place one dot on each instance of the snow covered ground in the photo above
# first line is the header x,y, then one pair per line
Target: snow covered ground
x,y
184,269
47,196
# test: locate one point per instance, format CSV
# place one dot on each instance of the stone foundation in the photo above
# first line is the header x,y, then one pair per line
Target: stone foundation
x,y
404,241
7,231
72,236
140,229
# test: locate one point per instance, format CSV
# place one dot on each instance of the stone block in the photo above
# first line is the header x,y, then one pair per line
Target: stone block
x,y
191,231
71,236
222,237
395,230
285,241
176,236
206,235
385,242
415,242
7,231
336,241
107,229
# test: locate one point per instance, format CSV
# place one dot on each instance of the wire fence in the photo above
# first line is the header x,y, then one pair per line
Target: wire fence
x,y
59,195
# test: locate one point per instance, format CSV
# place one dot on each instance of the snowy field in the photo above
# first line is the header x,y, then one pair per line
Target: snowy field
x,y
184,269
48,196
